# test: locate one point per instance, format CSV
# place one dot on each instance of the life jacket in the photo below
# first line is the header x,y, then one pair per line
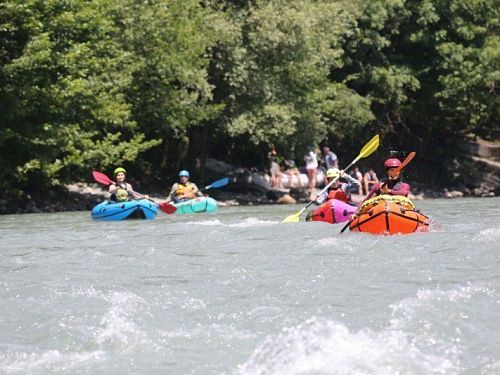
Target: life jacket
x,y
338,194
393,184
187,189
121,195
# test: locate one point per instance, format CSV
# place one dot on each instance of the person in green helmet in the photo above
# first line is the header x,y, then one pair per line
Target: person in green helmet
x,y
122,191
183,190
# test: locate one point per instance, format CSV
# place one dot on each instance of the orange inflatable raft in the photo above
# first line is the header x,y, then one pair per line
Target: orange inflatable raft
x,y
387,215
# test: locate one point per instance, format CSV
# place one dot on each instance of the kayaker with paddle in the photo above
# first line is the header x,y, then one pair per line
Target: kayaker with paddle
x,y
393,184
183,190
122,191
341,189
390,186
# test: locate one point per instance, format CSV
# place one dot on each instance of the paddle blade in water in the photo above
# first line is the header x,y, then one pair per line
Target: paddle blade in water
x,y
292,218
167,208
101,178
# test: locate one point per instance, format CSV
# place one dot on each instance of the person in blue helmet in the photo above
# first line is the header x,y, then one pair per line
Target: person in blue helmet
x,y
183,190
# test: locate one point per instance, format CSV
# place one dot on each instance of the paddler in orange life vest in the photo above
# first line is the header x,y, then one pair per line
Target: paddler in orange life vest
x,y
340,189
122,191
183,190
392,185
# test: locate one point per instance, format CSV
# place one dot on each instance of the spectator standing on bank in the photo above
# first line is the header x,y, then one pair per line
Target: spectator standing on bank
x,y
311,159
275,169
331,160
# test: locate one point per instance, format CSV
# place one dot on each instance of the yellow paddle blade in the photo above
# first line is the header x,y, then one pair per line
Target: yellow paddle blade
x,y
292,218
369,148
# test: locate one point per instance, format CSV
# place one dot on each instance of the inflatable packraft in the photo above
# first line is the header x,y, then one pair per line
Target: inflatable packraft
x,y
196,205
387,215
332,211
139,209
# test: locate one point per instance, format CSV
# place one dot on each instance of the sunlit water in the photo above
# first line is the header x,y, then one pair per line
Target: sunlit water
x,y
240,293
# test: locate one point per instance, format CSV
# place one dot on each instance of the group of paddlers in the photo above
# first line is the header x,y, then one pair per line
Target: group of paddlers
x,y
345,185
122,191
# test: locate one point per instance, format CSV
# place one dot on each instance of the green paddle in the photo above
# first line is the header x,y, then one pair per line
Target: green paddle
x,y
369,148
408,158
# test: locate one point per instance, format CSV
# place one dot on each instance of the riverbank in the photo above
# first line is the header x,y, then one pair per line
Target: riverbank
x,y
83,197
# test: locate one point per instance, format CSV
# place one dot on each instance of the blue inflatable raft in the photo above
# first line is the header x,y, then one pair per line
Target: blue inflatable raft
x,y
197,205
140,209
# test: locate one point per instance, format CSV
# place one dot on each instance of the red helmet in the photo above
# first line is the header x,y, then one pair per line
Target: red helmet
x,y
392,163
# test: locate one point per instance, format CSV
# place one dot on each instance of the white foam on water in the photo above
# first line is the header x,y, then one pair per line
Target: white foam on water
x,y
323,242
436,303
194,304
17,361
117,325
326,346
213,331
253,222
441,319
488,235
208,223
423,336
249,222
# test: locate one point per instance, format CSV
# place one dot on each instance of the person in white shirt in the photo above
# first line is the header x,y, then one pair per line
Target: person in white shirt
x,y
311,160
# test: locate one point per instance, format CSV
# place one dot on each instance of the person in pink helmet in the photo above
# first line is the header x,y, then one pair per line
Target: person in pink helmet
x,y
392,185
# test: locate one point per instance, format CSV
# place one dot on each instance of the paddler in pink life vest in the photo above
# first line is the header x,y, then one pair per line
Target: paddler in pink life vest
x,y
392,185
122,191
183,190
340,189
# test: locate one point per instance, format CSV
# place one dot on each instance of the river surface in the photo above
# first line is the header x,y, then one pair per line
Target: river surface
x,y
240,293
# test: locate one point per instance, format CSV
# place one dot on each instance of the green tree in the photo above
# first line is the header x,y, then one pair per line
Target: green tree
x,y
275,74
63,79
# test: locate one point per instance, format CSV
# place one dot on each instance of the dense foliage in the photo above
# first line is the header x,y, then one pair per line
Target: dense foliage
x,y
159,84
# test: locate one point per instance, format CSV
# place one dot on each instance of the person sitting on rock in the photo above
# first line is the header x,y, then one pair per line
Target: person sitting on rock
x,y
122,191
369,179
183,190
292,170
358,176
341,189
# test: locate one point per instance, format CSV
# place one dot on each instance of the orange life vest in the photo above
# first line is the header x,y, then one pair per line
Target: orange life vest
x,y
338,194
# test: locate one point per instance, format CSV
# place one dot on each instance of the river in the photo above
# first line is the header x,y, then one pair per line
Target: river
x,y
240,293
